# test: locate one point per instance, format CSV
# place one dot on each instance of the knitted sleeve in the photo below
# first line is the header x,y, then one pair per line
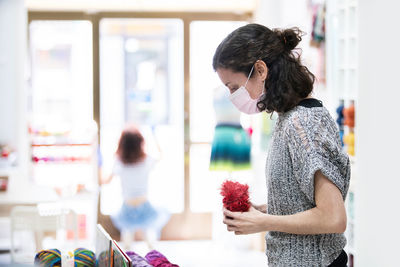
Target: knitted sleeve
x,y
314,144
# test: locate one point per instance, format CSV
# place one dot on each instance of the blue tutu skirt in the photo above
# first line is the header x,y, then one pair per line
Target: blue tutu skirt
x,y
231,148
143,216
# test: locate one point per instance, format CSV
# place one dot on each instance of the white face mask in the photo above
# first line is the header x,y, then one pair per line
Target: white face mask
x,y
242,99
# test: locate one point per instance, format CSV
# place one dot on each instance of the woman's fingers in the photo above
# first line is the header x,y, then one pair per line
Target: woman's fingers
x,y
235,229
231,215
229,221
231,224
231,228
233,221
228,213
242,223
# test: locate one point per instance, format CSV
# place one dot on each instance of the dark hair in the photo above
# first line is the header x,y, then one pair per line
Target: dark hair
x,y
288,81
130,147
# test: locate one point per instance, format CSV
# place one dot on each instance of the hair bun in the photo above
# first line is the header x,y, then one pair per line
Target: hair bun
x,y
290,37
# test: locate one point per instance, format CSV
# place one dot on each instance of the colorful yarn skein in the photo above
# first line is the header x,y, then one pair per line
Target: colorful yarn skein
x,y
349,116
103,258
137,260
157,259
340,115
349,141
84,257
52,258
236,196
340,120
48,258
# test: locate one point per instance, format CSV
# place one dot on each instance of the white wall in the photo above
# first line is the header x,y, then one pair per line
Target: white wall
x,y
12,76
285,14
377,137
288,14
7,72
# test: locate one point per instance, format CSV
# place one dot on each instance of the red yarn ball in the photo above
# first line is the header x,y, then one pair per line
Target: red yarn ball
x,y
236,196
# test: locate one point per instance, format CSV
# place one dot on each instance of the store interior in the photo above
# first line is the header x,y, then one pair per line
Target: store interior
x,y
73,74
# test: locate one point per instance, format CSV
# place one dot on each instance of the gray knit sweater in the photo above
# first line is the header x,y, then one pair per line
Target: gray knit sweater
x,y
304,140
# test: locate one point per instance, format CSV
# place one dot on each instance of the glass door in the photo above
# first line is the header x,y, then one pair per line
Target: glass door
x,y
141,82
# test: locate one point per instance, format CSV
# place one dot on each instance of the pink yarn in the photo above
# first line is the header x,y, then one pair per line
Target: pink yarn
x,y
157,259
137,260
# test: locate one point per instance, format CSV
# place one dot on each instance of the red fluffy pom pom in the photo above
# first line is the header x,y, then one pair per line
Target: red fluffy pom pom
x,y
236,196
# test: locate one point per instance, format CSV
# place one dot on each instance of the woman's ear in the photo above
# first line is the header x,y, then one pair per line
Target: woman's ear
x,y
261,69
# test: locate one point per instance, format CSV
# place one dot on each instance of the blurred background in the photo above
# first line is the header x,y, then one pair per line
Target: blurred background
x,y
74,73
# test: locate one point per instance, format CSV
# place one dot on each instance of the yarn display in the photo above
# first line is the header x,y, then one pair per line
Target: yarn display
x,y
48,258
349,141
84,257
102,258
340,120
157,259
318,25
349,116
137,260
235,196
52,258
340,116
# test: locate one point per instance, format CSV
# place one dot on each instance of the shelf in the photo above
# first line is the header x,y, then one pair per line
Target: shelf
x,y
60,144
62,162
343,79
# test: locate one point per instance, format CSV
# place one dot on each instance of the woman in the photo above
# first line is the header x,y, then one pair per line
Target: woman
x,y
307,172
133,166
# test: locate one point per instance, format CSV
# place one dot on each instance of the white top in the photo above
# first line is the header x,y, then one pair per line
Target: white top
x,y
225,111
134,177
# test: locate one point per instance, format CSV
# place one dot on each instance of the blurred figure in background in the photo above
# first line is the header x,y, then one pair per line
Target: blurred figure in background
x,y
133,166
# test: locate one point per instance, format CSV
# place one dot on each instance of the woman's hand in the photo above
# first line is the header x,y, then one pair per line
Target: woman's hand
x,y
243,223
329,215
262,207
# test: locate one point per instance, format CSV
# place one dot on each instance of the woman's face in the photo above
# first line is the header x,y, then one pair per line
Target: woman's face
x,y
234,80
